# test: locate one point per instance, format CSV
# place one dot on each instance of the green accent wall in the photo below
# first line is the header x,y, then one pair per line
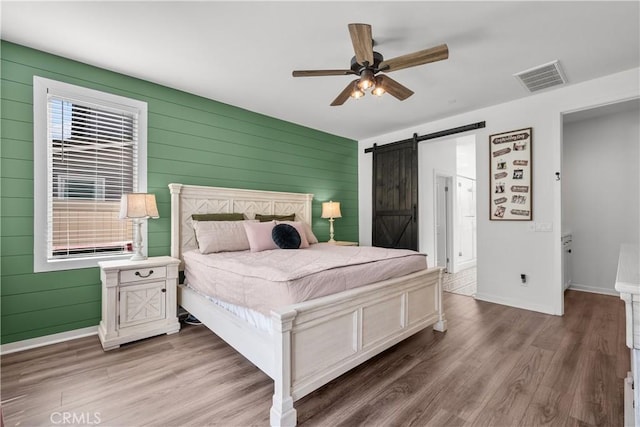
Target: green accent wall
x,y
191,140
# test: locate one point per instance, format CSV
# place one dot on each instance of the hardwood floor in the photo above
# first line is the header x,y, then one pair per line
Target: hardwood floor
x,y
495,366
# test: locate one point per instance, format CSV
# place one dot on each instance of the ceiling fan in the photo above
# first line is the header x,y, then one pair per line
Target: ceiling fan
x,y
367,63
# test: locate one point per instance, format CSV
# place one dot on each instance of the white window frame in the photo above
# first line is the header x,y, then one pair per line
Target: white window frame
x,y
41,88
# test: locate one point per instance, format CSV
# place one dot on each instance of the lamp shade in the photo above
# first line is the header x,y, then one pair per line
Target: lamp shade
x,y
331,209
138,205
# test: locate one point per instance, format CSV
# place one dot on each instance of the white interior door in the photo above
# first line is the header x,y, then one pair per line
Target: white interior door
x,y
443,222
466,233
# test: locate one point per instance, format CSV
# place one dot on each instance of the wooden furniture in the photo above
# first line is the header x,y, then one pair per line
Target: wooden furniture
x,y
138,300
628,284
312,342
344,243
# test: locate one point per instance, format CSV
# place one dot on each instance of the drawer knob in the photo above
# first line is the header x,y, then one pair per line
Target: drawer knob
x,y
150,273
163,290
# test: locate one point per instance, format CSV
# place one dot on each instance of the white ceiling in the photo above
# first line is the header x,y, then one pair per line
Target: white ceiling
x,y
242,53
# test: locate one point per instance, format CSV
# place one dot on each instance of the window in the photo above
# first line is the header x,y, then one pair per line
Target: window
x,y
89,149
80,187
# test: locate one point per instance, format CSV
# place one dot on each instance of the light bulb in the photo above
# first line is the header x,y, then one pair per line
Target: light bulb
x,y
366,79
357,93
378,90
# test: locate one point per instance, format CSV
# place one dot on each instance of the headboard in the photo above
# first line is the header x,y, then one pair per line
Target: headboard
x,y
189,199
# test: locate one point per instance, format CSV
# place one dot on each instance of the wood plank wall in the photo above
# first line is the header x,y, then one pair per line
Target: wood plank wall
x,y
191,139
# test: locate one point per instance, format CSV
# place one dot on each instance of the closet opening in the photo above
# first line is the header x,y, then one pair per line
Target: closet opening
x,y
600,193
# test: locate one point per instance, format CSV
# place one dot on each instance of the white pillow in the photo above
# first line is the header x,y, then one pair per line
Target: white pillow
x,y
259,235
221,236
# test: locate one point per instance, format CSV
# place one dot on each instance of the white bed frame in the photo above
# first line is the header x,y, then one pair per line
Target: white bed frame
x,y
312,342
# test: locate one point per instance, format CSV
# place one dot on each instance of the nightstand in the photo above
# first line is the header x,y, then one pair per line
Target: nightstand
x,y
138,300
343,243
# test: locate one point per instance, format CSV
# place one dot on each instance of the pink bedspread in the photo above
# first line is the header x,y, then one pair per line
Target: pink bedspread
x,y
265,280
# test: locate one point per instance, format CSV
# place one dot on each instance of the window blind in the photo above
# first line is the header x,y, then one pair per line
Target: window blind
x,y
92,161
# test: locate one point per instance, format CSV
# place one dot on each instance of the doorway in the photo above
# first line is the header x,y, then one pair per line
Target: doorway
x,y
448,214
599,193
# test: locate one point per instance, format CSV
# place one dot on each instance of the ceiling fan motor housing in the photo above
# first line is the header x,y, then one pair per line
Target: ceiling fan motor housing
x,y
357,68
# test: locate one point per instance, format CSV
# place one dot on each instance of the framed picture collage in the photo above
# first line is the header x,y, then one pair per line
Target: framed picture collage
x,y
510,170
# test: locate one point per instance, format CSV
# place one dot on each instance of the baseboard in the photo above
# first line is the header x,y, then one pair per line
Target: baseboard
x,y
14,347
514,303
593,290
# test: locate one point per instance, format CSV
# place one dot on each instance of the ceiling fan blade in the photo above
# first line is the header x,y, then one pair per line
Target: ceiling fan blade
x,y
393,88
316,73
344,95
362,42
437,53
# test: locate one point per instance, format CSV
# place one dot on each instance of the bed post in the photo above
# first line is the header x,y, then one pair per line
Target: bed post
x,y
175,189
441,324
282,411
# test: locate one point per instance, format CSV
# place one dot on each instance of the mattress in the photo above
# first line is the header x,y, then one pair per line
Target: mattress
x,y
262,281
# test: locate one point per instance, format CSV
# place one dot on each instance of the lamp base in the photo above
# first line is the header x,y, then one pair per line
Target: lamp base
x,y
331,231
137,243
331,240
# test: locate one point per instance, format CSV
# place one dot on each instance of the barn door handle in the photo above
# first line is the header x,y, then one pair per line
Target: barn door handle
x,y
415,213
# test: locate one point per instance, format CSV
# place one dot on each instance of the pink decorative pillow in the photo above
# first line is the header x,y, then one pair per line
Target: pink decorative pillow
x,y
259,235
299,226
309,233
221,236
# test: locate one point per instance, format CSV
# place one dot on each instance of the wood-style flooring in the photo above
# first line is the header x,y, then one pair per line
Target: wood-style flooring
x,y
495,366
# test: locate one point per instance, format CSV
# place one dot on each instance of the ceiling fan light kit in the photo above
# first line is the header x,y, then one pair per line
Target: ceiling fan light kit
x,y
374,83
366,64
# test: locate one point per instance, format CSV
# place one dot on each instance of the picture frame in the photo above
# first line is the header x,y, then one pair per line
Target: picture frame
x,y
510,169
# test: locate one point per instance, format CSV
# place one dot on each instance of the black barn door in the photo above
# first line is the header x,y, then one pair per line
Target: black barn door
x,y
395,196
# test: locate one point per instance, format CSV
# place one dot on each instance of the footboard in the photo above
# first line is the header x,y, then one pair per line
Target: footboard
x,y
318,340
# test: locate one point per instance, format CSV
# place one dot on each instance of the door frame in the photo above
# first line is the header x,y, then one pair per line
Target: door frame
x,y
449,224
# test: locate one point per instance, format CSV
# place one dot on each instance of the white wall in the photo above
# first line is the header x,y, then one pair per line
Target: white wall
x,y
506,249
600,187
466,156
434,157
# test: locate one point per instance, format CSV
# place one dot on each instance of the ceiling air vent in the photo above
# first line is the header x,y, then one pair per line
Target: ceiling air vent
x,y
542,77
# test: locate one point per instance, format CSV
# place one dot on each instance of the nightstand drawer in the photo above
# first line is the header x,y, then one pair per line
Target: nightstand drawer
x,y
140,274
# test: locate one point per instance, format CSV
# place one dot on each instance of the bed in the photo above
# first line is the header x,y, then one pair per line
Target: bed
x,y
308,343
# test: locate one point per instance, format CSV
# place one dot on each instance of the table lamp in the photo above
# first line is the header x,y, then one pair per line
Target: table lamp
x,y
138,207
331,210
